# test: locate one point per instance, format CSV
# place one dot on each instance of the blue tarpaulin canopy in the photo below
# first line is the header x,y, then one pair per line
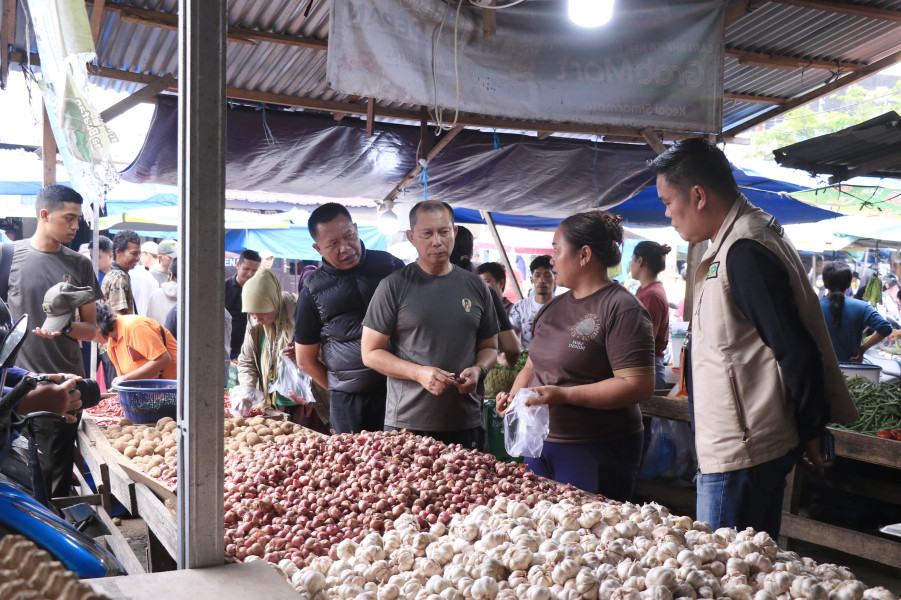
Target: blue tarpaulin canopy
x,y
294,242
645,207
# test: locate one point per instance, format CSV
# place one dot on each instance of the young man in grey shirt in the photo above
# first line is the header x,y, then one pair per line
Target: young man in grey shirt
x,y
39,263
442,329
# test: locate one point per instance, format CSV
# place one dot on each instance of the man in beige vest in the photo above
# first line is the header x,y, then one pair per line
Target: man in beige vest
x,y
762,375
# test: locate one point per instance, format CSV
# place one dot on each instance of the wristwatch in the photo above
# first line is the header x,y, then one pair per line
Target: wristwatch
x,y
481,368
68,328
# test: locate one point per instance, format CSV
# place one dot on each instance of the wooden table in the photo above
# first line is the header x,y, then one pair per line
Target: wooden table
x,y
142,496
855,446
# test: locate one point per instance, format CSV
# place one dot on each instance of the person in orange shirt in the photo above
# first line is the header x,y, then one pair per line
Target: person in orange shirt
x,y
140,348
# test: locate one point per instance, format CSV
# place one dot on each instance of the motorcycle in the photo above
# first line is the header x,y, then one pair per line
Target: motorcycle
x,y
25,509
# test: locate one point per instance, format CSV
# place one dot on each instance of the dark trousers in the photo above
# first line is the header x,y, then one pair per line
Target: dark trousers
x,y
470,439
56,441
353,413
610,468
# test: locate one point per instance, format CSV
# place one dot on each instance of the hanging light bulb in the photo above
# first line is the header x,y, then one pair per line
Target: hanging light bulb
x,y
387,221
590,13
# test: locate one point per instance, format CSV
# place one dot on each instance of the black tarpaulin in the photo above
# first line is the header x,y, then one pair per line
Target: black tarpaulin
x,y
307,153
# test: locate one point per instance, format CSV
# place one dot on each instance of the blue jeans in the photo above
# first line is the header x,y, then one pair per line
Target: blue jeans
x,y
610,468
749,497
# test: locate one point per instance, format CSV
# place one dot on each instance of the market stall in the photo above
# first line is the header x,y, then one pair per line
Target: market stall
x,y
855,446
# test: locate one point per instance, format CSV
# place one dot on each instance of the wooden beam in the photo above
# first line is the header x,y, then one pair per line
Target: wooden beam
x,y
883,551
741,8
754,99
370,117
652,140
821,91
788,63
438,147
846,8
240,35
48,152
356,108
339,115
96,17
543,135
145,94
426,139
489,22
7,38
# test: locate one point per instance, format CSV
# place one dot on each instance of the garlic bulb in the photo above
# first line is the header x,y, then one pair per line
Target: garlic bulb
x,y
484,588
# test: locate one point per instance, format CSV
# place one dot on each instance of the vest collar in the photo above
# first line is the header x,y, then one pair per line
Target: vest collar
x,y
739,207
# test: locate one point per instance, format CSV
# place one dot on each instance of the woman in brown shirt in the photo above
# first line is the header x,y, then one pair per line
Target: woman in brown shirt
x,y
591,361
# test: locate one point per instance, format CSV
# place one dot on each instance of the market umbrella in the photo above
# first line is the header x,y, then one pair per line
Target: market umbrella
x,y
166,218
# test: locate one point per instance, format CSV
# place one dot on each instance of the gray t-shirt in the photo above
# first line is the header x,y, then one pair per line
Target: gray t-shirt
x,y
33,272
435,321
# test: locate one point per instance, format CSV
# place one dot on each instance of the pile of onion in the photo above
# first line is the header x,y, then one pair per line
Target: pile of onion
x,y
298,498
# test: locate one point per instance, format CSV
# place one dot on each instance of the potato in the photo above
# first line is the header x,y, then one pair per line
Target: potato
x,y
171,460
257,421
239,421
125,421
163,421
119,447
263,431
266,438
134,443
125,438
154,472
145,450
129,429
130,451
170,426
253,439
155,460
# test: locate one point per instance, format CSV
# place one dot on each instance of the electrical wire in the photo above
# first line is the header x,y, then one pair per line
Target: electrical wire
x,y
486,5
437,116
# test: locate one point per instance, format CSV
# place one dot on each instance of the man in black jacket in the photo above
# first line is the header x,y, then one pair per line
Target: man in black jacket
x,y
329,318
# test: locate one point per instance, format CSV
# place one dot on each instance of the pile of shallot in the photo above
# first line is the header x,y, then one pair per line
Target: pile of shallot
x,y
300,497
596,551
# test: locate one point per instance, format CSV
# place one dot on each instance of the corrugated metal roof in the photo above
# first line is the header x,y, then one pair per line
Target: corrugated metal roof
x,y
870,148
774,28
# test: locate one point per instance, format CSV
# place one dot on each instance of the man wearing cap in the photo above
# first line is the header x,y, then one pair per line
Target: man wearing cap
x,y
168,250
149,252
268,258
38,264
117,285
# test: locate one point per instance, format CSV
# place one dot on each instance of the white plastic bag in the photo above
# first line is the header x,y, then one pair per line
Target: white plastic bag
x,y
244,398
292,383
526,427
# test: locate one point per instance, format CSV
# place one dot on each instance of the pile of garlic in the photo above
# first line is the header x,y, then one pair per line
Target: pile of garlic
x,y
598,551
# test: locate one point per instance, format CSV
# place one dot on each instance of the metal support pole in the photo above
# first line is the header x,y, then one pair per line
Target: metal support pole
x,y
201,328
500,247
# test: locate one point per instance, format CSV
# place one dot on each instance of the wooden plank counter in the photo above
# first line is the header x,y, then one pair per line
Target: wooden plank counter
x,y
141,495
855,446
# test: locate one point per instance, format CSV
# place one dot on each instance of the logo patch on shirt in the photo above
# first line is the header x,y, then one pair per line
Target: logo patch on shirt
x,y
713,270
586,329
775,226
467,304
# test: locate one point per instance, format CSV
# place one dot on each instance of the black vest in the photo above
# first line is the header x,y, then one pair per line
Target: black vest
x,y
341,298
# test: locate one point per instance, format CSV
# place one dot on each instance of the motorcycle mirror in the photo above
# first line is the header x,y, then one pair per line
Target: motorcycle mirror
x,y
12,341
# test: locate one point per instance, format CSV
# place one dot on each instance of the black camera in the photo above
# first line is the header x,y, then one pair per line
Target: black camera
x,y
90,393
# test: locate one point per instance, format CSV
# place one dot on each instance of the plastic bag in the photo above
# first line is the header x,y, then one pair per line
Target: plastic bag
x,y
292,383
671,453
244,398
526,427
